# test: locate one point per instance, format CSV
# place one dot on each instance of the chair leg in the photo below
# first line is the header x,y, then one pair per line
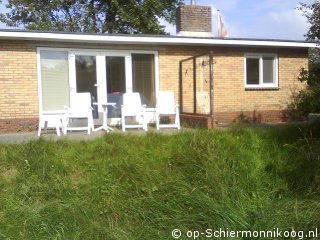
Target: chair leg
x,y
58,128
40,126
63,124
65,128
91,125
145,125
144,122
157,121
45,126
123,123
178,120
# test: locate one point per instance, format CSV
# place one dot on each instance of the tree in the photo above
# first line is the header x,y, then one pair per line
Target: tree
x,y
308,100
312,13
98,16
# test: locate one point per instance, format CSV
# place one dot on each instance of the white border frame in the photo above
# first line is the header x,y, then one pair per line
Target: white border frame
x,y
262,85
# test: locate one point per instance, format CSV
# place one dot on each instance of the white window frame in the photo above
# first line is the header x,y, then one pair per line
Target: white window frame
x,y
261,84
100,54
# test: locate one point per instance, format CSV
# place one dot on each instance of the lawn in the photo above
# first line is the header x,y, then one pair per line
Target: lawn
x,y
142,187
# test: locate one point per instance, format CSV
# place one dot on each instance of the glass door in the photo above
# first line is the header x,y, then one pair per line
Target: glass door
x,y
84,78
116,83
143,78
107,75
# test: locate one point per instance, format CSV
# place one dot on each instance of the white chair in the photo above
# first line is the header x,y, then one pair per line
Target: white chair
x,y
166,106
51,119
132,107
80,109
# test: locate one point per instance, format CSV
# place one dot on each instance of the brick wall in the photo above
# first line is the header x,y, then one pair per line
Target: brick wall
x,y
231,100
193,18
19,87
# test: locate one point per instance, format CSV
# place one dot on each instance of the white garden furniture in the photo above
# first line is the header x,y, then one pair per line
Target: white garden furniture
x,y
51,119
133,108
80,109
166,106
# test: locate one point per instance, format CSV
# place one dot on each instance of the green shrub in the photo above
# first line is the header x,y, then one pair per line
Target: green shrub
x,y
308,100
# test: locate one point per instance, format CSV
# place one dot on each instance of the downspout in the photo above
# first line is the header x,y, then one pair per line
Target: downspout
x,y
212,91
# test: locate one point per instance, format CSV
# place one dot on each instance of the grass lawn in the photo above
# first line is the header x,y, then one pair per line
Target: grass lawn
x,y
142,187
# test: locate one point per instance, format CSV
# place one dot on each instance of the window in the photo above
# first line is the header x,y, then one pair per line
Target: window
x,y
143,76
261,71
54,79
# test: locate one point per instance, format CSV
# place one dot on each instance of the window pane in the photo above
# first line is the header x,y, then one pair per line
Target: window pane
x,y
116,74
86,76
268,70
144,77
116,84
54,79
252,71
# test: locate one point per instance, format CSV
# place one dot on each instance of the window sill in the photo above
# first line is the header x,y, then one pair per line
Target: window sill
x,y
262,88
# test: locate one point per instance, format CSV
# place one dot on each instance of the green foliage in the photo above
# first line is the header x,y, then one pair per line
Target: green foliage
x,y
312,13
143,187
98,16
308,100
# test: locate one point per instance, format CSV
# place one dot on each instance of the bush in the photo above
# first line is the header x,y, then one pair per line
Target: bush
x,y
308,100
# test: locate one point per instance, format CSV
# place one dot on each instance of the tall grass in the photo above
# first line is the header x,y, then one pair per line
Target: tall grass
x,y
142,187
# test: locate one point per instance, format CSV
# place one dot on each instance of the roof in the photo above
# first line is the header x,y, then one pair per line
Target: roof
x,y
147,39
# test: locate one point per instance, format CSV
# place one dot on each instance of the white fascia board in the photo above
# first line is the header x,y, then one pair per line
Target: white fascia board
x,y
111,39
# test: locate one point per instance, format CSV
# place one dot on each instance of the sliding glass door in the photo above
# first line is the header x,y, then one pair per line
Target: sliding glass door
x,y
106,75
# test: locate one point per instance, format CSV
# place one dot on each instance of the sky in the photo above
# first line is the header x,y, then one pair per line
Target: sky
x,y
266,19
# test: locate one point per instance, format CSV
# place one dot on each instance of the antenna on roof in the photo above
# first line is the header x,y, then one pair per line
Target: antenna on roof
x,y
193,2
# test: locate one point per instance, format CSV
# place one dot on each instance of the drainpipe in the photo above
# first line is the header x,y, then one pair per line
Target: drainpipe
x,y
212,90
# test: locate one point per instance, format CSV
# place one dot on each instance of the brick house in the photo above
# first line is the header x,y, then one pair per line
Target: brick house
x,y
250,77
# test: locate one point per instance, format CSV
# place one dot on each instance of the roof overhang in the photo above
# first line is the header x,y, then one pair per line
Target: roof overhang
x,y
147,39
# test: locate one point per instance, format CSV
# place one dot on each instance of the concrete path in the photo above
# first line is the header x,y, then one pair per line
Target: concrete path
x,y
23,137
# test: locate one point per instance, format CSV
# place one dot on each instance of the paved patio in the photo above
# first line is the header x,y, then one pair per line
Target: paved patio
x,y
23,137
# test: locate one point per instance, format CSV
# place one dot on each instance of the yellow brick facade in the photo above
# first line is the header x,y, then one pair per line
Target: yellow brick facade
x,y
19,86
231,99
19,81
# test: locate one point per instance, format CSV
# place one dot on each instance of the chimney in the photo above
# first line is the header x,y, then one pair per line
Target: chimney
x,y
194,21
